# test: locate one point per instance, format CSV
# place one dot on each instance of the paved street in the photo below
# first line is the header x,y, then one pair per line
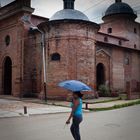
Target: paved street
x,y
122,124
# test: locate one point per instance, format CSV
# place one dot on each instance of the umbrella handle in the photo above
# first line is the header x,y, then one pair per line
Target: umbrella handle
x,y
65,125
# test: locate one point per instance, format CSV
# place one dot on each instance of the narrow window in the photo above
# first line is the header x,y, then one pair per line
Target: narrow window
x,y
109,30
106,39
127,61
7,40
135,30
120,42
135,46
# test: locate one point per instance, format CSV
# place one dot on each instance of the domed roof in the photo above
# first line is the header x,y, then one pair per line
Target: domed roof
x,y
69,14
119,8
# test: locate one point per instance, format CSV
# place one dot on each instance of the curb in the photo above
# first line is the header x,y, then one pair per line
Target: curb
x,y
31,115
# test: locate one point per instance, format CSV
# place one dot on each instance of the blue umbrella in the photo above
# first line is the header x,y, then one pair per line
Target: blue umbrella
x,y
74,86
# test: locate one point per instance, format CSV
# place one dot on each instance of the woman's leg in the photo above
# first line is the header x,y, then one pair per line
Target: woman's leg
x,y
77,121
73,130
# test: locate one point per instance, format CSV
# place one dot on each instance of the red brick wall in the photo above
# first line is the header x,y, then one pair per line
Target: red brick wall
x,y
123,27
24,53
12,28
77,50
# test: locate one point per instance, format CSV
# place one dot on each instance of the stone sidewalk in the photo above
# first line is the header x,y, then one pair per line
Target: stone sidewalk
x,y
13,108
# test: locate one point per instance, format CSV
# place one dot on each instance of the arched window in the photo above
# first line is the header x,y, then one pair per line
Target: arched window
x,y
135,46
55,57
100,76
7,76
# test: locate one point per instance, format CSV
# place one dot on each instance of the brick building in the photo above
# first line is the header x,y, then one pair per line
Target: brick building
x,y
75,48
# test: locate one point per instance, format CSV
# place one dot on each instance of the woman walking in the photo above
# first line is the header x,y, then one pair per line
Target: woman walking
x,y
76,115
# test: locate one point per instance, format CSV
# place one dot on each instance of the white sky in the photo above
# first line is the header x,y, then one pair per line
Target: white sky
x,y
94,9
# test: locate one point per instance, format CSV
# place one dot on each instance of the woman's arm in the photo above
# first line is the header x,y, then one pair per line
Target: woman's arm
x,y
75,105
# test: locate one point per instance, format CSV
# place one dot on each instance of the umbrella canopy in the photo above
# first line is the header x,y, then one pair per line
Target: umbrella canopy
x,y
74,86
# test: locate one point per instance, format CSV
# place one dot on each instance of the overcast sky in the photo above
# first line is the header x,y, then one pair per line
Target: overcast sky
x,y
94,9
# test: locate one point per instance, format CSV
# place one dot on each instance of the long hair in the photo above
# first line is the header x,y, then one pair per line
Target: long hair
x,y
80,95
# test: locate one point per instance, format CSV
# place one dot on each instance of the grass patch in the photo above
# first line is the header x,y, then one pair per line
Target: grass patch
x,y
106,101
117,106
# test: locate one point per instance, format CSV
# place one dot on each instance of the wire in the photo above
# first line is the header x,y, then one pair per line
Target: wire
x,y
101,3
101,15
95,5
136,4
136,7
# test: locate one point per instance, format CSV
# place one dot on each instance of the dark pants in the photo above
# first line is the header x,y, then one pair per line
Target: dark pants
x,y
75,130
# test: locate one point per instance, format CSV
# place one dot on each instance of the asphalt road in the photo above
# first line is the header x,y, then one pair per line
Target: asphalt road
x,y
122,124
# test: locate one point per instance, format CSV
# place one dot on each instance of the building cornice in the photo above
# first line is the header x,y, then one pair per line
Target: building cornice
x,y
117,46
14,8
